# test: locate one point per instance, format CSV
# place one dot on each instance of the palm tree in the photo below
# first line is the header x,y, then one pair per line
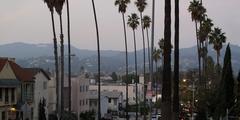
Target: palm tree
x,y
198,13
50,4
69,57
156,57
146,25
133,23
98,49
152,40
203,33
176,64
141,4
58,8
167,86
122,6
217,38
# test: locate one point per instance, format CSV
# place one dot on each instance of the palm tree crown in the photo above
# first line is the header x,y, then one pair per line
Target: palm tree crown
x,y
217,38
133,21
197,10
141,4
59,6
146,21
205,29
122,5
50,4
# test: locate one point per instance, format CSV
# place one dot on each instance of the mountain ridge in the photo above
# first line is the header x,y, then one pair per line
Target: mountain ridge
x,y
41,55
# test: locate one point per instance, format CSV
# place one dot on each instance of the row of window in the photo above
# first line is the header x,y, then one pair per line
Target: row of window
x,y
83,88
4,93
83,102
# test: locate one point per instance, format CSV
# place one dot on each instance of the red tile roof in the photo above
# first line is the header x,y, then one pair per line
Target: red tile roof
x,y
2,63
22,74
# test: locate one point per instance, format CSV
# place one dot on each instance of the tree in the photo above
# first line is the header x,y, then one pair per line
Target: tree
x,y
203,33
122,6
226,94
217,38
50,4
152,41
176,64
167,86
98,51
114,76
88,115
69,57
141,4
133,23
58,8
41,110
197,13
156,57
146,25
68,115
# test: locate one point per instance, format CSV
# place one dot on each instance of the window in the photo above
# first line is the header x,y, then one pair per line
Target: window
x,y
115,101
6,96
1,94
12,95
86,102
3,115
80,88
83,88
44,85
80,102
109,100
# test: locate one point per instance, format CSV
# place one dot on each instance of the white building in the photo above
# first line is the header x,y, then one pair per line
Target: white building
x,y
122,88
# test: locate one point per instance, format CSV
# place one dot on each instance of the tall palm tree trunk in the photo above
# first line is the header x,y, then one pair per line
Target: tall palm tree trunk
x,y
152,45
199,57
136,74
62,64
144,65
167,85
176,64
56,62
149,56
126,60
152,42
218,55
98,49
69,58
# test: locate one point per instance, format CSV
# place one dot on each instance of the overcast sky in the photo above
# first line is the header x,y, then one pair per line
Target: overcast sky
x,y
29,21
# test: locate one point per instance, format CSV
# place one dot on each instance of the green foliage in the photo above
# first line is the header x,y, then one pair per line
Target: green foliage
x,y
69,116
133,21
89,115
130,78
114,76
225,95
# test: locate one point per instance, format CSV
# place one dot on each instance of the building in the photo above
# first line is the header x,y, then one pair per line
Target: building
x,y
113,95
26,86
122,88
9,91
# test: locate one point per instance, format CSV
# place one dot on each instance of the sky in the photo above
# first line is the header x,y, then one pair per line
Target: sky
x,y
29,21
